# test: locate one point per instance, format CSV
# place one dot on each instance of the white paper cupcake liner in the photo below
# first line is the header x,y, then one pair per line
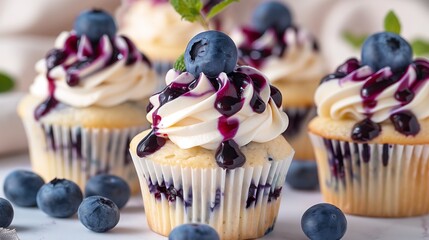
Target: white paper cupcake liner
x,y
379,180
77,153
174,195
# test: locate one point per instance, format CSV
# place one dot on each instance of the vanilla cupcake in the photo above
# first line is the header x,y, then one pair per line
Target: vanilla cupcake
x,y
157,30
371,134
290,58
215,154
87,102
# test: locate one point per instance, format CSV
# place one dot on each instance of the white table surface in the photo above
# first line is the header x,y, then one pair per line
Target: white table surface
x,y
33,224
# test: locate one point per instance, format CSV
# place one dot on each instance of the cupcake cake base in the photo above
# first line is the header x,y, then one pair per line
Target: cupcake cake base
x,y
62,148
185,186
373,179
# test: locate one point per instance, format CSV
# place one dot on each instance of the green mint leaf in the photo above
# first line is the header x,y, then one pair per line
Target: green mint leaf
x,y
420,47
391,23
6,83
190,10
179,65
219,8
354,40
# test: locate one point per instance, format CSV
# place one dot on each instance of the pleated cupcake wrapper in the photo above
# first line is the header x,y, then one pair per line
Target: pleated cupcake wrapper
x,y
379,180
212,196
296,133
161,68
77,153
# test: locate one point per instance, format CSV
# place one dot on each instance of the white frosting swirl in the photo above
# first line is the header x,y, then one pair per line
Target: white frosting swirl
x,y
192,120
299,62
101,83
156,28
340,98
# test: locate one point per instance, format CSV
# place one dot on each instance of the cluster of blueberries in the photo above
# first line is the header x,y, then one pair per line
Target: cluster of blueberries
x,y
106,194
61,198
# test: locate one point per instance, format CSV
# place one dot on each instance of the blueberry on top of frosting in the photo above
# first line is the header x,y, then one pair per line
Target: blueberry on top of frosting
x,y
94,24
214,104
386,49
271,15
387,85
211,53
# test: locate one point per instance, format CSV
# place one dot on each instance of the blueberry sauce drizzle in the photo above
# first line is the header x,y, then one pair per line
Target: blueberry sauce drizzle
x,y
256,57
86,54
405,122
229,101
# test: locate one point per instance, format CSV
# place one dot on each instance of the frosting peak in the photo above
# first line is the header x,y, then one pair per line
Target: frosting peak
x,y
80,74
207,111
356,92
223,113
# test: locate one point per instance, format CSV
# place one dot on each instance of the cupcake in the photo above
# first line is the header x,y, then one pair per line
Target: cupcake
x,y
371,133
87,102
290,58
157,30
215,153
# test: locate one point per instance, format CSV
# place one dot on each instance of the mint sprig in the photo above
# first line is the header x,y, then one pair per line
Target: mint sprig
x,y
188,9
219,8
391,23
420,47
179,65
191,10
6,83
356,41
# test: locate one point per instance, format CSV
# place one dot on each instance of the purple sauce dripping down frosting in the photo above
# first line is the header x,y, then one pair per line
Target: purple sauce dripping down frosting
x,y
256,55
405,122
78,55
229,101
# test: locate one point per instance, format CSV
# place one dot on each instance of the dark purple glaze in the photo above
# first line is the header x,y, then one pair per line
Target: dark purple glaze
x,y
365,130
376,83
229,156
406,123
333,76
227,127
349,66
276,96
256,57
150,144
373,87
85,54
229,101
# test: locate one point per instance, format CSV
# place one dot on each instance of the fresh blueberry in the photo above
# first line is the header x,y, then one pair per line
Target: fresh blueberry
x,y
324,221
386,49
274,15
302,175
59,198
98,214
6,213
191,231
210,52
94,24
21,187
109,186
